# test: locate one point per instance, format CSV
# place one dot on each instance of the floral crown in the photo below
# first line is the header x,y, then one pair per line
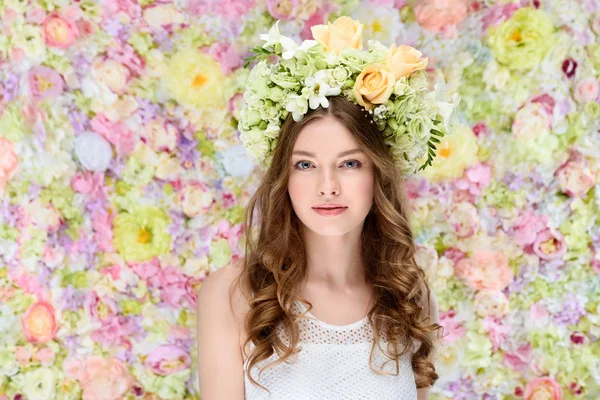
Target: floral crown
x,y
390,83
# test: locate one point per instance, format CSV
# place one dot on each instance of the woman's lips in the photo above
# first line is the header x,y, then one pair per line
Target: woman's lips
x,y
330,212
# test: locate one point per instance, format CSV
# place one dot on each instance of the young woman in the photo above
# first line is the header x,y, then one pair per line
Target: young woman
x,y
328,302
353,265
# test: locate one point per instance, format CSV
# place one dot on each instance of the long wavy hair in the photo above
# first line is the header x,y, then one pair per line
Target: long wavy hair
x,y
275,260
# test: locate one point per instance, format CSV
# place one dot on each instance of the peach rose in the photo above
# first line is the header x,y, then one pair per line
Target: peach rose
x,y
543,388
587,90
374,85
9,162
575,178
105,380
113,74
59,31
404,60
39,323
485,270
441,15
342,34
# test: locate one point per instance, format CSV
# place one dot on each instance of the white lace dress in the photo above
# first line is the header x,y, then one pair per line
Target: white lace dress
x,y
333,364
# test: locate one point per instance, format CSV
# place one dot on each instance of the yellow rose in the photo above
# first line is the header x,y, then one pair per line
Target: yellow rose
x,y
374,85
342,34
404,60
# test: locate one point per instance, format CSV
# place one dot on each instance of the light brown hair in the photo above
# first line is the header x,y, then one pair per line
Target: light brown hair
x,y
275,260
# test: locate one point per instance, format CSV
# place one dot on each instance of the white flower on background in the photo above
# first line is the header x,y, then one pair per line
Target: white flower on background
x,y
236,162
93,151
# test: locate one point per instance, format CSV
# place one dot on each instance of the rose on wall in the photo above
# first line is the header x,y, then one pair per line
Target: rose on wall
x,y
123,180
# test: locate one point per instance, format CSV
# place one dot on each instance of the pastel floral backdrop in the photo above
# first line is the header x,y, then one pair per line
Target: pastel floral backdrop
x,y
123,182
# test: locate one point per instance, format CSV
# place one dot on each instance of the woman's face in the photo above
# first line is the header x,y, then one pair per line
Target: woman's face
x,y
325,169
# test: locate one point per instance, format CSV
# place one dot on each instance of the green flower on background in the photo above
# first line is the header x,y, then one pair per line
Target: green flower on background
x,y
142,234
522,41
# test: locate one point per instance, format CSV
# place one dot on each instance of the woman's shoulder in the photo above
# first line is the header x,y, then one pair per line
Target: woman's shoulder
x,y
226,287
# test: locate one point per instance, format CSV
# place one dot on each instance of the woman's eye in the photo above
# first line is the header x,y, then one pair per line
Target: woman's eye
x,y
300,163
356,162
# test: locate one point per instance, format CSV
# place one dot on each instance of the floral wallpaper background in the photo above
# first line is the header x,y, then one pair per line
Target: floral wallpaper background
x,y
123,183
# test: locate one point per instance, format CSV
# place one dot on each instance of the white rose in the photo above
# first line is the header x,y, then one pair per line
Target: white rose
x,y
160,135
159,16
196,200
112,73
93,151
463,218
168,168
448,360
41,384
531,121
44,216
490,302
236,162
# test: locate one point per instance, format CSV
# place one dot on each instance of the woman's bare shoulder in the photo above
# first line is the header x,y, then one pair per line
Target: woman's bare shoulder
x,y
226,286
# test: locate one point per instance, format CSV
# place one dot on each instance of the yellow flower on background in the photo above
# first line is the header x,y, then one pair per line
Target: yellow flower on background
x,y
455,153
142,234
195,80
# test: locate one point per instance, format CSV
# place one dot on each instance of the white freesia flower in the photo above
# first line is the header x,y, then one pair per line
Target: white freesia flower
x,y
320,89
274,37
298,106
293,50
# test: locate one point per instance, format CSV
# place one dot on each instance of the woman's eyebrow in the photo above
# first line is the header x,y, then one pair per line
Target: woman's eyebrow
x,y
309,154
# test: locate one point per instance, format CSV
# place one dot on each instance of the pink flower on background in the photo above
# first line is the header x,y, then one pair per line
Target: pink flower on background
x,y
498,14
545,100
485,270
443,16
319,17
453,329
130,8
575,177
102,226
527,226
59,31
167,360
496,332
35,15
146,269
543,388
454,254
90,183
115,132
537,312
39,322
475,179
44,82
124,54
46,356
550,245
520,359
282,9
23,355
99,379
9,162
99,308
232,10
596,262
24,280
227,56
481,129
115,331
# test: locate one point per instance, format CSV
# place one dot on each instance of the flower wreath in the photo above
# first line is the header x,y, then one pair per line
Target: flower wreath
x,y
389,83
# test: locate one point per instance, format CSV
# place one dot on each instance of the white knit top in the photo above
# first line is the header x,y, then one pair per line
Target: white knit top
x,y
333,364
